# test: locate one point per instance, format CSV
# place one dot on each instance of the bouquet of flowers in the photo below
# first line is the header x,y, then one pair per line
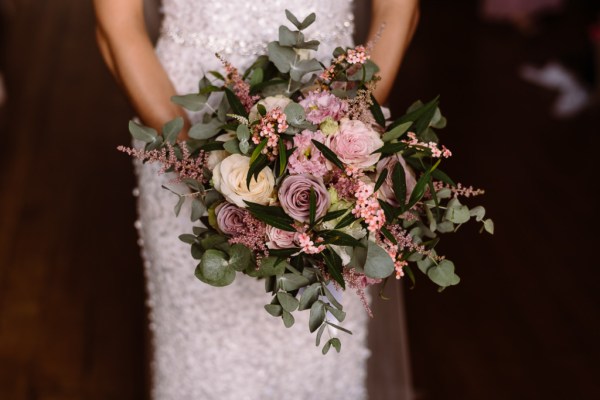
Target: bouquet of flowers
x,y
296,177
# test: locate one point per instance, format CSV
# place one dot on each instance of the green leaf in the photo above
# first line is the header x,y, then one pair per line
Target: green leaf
x,y
198,210
300,68
288,37
287,301
330,155
326,347
389,211
282,57
295,114
337,313
257,150
232,146
317,315
440,175
205,131
346,221
488,225
341,328
282,157
399,184
217,75
240,257
284,253
320,333
271,266
382,177
339,238
288,319
396,132
456,212
188,238
142,133
214,269
332,298
419,190
308,21
379,264
235,103
255,167
171,130
337,345
312,208
178,206
443,274
309,296
376,111
331,215
334,266
257,77
292,18
477,212
193,102
291,282
274,216
274,309
390,148
212,146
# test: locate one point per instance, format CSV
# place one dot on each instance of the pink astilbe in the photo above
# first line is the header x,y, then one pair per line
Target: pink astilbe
x,y
251,234
359,107
367,207
359,282
270,127
188,167
310,246
436,152
241,88
344,184
459,189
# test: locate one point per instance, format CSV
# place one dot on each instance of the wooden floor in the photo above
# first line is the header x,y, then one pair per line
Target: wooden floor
x,y
523,324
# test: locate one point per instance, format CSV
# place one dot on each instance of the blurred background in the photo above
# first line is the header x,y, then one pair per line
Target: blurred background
x,y
519,84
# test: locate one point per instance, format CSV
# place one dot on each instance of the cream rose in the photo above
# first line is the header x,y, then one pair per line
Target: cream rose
x,y
270,103
229,178
216,156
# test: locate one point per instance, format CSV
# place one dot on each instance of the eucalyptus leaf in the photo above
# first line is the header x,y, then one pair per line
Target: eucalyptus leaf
x,y
198,210
488,225
282,57
171,130
188,238
178,206
337,313
295,114
302,67
287,301
214,269
445,227
288,319
331,297
378,264
320,333
271,266
396,132
240,257
193,102
477,212
142,133
443,274
203,131
232,146
274,309
291,282
456,212
309,296
317,315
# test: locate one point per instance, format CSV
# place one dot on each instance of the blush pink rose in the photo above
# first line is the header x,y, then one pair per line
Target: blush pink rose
x,y
354,144
280,239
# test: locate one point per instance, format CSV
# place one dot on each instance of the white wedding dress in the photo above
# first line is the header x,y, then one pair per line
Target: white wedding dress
x,y
219,343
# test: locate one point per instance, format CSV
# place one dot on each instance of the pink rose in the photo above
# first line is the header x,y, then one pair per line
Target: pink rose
x,y
279,239
230,218
386,190
320,105
307,159
294,196
355,143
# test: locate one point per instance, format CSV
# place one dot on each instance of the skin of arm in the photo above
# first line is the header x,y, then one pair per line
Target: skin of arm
x,y
399,19
129,54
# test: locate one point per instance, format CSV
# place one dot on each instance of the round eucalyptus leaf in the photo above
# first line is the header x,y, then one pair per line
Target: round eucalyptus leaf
x,y
379,264
271,266
288,319
443,274
287,301
240,257
214,269
274,309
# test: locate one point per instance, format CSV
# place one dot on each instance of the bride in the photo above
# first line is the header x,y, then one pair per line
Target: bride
x,y
219,343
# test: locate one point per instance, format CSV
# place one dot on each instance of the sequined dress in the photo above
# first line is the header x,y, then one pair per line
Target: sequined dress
x,y
219,343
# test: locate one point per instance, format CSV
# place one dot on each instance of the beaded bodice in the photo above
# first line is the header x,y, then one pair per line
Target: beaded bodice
x,y
241,29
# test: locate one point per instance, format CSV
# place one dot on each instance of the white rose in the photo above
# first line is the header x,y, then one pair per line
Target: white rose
x,y
229,178
216,156
270,103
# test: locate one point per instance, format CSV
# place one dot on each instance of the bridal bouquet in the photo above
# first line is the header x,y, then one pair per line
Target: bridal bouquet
x,y
297,177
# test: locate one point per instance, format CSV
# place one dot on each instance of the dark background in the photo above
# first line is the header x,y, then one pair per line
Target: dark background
x,y
523,323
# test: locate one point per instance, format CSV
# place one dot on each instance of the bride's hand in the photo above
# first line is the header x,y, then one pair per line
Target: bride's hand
x,y
129,54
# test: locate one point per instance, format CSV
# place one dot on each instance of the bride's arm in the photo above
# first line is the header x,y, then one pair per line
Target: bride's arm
x,y
129,54
399,19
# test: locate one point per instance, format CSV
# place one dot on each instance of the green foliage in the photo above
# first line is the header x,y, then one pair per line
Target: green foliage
x,y
378,263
